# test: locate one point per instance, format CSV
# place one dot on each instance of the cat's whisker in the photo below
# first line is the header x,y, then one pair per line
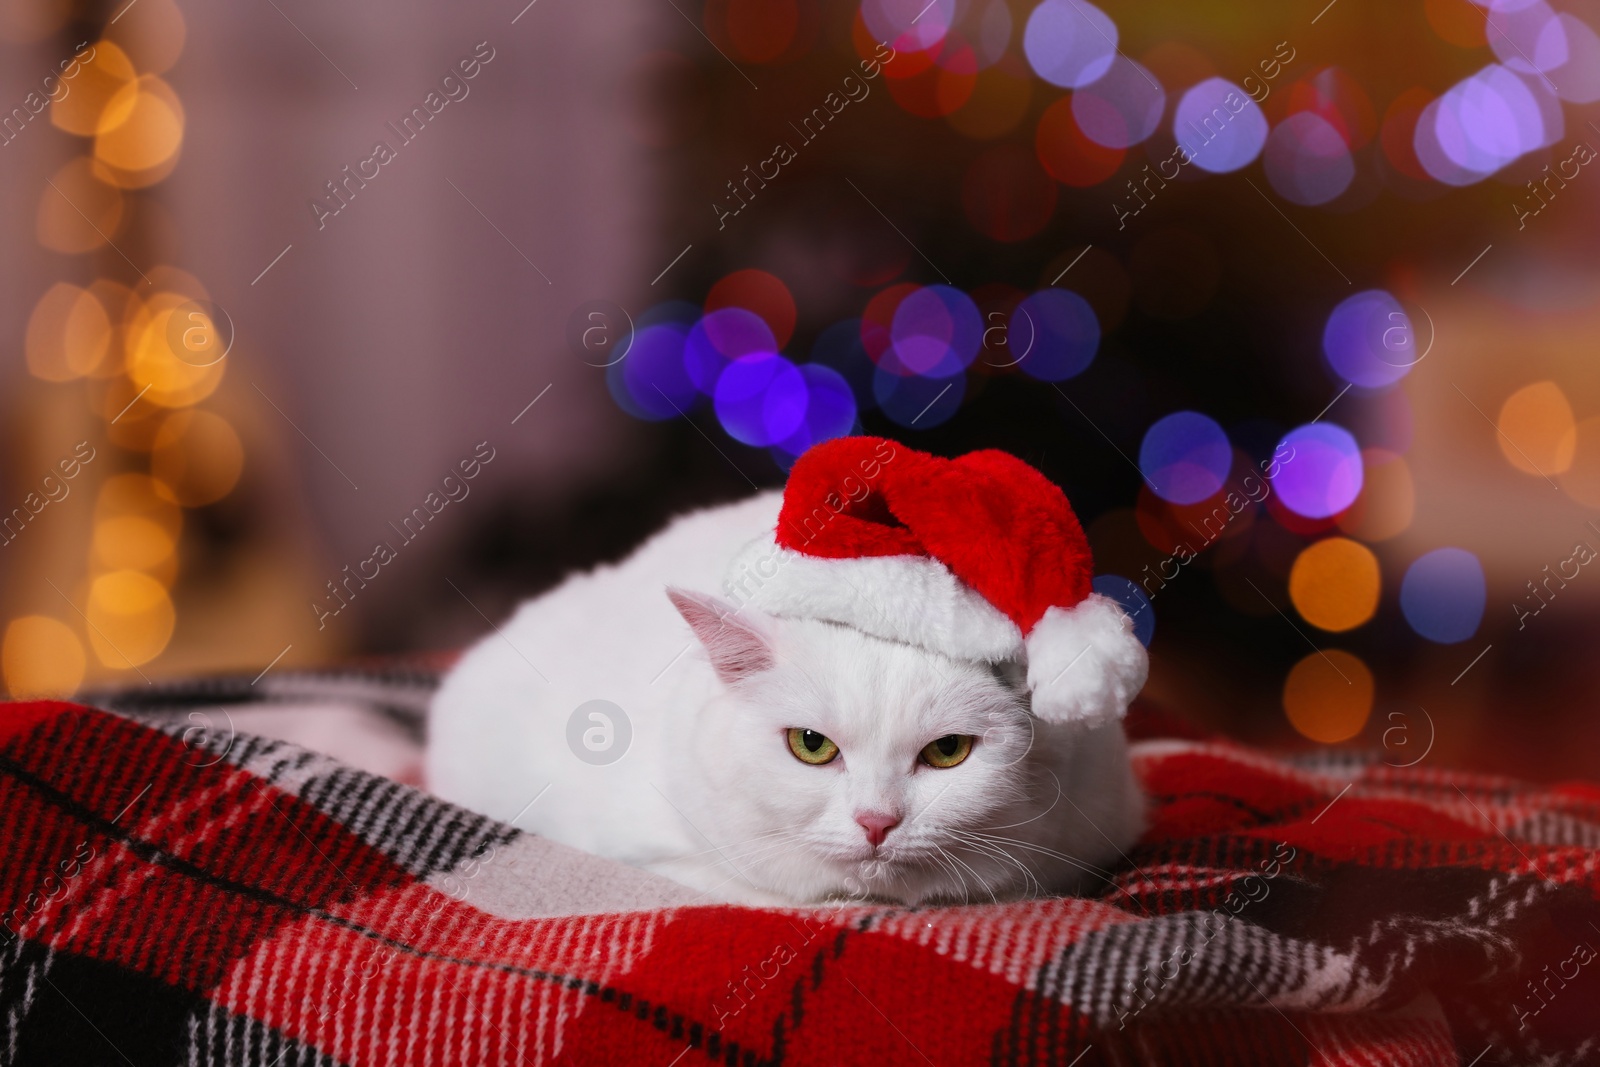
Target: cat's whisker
x,y
1072,860
975,876
734,844
1042,814
939,855
995,852
1032,886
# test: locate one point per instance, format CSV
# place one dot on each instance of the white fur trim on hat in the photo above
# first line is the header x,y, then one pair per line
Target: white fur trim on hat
x,y
913,599
1084,664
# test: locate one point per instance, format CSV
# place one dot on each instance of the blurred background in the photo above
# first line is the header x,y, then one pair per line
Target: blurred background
x,y
332,332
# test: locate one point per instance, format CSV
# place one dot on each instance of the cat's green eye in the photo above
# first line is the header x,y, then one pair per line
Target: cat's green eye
x,y
947,751
811,747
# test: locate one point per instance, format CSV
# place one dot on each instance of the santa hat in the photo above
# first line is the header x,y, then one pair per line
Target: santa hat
x,y
980,558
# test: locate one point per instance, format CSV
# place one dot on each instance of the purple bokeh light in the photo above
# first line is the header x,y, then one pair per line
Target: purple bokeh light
x,y
1368,340
935,333
1484,122
1222,128
1323,475
1529,39
1069,43
915,25
720,338
1307,161
1122,107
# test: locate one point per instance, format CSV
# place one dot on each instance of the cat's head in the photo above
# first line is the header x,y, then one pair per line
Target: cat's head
x,y
843,765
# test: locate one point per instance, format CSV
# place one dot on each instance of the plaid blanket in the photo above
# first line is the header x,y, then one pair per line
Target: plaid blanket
x,y
173,895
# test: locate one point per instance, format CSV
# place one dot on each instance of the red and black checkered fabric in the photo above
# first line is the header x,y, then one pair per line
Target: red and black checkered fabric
x,y
168,900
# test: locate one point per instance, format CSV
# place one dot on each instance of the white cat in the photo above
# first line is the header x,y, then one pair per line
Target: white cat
x,y
773,760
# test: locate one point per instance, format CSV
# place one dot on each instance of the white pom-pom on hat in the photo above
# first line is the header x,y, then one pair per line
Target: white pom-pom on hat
x,y
979,558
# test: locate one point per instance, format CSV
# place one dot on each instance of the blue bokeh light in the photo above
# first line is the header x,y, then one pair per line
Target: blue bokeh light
x,y
1055,334
651,375
830,409
1443,595
1368,340
918,403
1185,457
761,399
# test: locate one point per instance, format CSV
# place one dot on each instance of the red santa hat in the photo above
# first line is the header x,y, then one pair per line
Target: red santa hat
x,y
980,558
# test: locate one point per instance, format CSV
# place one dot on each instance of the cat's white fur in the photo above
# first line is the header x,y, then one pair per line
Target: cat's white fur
x,y
708,792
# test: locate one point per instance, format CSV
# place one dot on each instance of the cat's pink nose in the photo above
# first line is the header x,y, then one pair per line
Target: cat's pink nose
x,y
877,825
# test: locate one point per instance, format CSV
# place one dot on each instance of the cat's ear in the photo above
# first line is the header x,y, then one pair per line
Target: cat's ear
x,y
737,646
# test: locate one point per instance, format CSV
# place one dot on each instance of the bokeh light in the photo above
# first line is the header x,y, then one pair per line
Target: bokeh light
x,y
1536,431
1133,601
1328,696
77,211
1069,43
154,362
1322,474
757,31
1578,79
830,409
1484,122
1368,340
941,88
759,292
999,99
131,618
1222,127
935,332
131,542
877,317
41,657
1185,457
1581,482
1120,108
1397,135
84,111
916,402
909,25
146,135
655,373
719,338
1070,155
1334,584
1053,335
1307,161
1388,498
761,399
1526,36
1339,100
196,457
68,334
1460,22
138,495
840,347
1443,594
